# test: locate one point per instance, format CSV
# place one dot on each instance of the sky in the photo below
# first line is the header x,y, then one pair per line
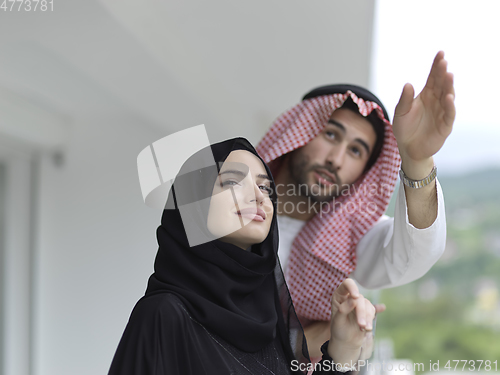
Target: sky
x,y
407,36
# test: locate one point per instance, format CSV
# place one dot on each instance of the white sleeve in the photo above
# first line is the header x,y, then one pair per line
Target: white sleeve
x,y
393,252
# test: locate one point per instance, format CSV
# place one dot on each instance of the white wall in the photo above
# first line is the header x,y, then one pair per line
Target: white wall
x,y
120,75
97,245
16,263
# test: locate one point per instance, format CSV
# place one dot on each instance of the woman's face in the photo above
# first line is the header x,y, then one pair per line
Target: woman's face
x,y
241,210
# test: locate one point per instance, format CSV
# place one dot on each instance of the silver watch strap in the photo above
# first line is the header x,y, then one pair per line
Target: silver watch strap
x,y
417,184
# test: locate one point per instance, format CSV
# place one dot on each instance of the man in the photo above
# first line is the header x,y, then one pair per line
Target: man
x,y
335,158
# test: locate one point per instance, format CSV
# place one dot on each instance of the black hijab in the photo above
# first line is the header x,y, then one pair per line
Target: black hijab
x,y
238,294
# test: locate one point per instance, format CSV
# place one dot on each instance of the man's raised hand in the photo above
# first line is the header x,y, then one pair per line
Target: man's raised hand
x,y
422,124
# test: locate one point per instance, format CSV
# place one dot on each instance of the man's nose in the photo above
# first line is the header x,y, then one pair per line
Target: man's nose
x,y
336,157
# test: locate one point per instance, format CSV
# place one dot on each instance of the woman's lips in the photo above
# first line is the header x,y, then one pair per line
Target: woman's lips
x,y
256,214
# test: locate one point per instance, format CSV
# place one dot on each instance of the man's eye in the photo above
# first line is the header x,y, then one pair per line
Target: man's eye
x,y
330,134
356,151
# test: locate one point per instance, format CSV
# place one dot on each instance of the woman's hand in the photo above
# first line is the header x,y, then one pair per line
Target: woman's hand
x,y
317,333
352,320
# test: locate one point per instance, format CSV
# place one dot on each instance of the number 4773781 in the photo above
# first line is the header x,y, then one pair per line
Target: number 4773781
x,y
471,365
27,5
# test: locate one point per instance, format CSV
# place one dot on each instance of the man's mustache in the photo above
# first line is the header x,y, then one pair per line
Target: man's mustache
x,y
329,170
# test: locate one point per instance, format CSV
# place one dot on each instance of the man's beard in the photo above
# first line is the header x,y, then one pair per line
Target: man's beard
x,y
299,170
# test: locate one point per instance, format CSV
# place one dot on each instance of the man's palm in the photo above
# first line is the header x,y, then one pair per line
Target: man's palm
x,y
422,124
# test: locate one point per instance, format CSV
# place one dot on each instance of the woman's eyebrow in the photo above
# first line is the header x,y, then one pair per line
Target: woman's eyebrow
x,y
233,171
240,173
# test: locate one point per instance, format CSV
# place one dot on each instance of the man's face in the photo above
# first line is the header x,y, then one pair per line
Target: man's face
x,y
335,158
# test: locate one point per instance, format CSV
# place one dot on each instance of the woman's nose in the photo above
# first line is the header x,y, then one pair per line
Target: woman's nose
x,y
259,195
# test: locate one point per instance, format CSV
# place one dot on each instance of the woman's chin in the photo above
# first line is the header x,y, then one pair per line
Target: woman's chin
x,y
244,242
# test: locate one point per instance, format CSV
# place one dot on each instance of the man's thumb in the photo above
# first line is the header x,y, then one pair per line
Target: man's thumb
x,y
405,100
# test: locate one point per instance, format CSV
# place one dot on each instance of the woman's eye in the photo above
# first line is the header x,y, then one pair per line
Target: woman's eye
x,y
228,183
266,189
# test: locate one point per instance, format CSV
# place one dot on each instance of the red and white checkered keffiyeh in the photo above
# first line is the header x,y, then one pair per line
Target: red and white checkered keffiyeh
x,y
324,252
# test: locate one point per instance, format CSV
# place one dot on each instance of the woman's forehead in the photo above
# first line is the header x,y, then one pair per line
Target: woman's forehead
x,y
244,158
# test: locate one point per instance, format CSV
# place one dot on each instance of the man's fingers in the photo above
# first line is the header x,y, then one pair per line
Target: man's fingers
x,y
431,78
448,84
405,101
439,74
448,101
449,111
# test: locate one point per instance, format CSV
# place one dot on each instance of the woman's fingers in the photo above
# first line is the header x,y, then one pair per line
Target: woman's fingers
x,y
362,309
355,307
347,300
379,307
348,287
370,312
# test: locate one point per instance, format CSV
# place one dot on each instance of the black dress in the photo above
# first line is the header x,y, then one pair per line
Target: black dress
x,y
163,338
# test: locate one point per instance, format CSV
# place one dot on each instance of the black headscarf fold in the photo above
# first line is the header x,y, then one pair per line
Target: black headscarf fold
x,y
238,294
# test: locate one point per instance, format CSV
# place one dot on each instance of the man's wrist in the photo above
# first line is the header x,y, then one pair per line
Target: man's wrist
x,y
417,170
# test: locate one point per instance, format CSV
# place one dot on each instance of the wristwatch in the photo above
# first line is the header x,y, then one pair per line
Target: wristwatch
x,y
417,184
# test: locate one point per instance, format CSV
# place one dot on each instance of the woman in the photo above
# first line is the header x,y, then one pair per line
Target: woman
x,y
217,302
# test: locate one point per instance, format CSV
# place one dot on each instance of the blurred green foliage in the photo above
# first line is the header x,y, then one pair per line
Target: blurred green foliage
x,y
453,312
